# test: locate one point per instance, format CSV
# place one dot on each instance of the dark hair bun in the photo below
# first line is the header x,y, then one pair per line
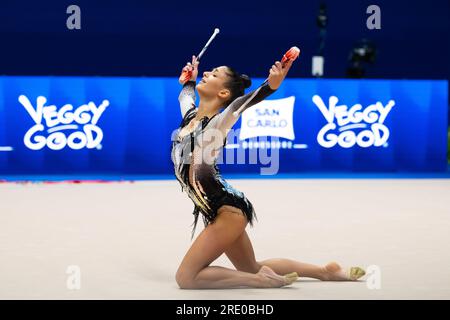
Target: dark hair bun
x,y
246,80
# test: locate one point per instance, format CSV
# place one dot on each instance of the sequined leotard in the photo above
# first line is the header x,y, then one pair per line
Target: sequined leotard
x,y
196,168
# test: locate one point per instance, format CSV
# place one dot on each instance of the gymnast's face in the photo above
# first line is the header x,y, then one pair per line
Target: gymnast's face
x,y
213,83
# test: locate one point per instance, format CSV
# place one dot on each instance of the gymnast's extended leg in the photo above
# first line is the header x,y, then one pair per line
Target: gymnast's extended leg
x,y
242,256
194,271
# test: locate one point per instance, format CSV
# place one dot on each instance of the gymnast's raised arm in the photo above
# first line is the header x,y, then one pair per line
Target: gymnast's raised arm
x,y
230,115
187,95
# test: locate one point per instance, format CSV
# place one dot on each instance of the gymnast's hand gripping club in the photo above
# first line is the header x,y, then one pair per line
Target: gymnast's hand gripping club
x,y
186,74
291,55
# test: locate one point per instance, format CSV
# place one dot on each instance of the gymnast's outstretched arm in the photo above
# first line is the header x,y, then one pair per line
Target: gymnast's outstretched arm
x,y
230,115
187,95
226,119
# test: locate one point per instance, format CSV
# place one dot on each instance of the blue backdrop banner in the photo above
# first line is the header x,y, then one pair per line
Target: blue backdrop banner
x,y
83,125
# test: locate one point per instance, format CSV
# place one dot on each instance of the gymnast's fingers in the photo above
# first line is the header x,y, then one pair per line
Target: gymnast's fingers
x,y
279,65
195,62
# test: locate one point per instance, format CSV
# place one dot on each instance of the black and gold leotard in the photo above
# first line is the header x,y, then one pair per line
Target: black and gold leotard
x,y
194,156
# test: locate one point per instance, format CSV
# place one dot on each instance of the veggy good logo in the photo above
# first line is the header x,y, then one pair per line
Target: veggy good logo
x,y
60,124
349,126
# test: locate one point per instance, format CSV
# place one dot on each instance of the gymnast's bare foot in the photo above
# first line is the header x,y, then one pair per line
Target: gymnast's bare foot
x,y
334,272
270,279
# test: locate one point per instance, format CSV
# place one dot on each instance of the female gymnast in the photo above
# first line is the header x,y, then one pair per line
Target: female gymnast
x,y
226,211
